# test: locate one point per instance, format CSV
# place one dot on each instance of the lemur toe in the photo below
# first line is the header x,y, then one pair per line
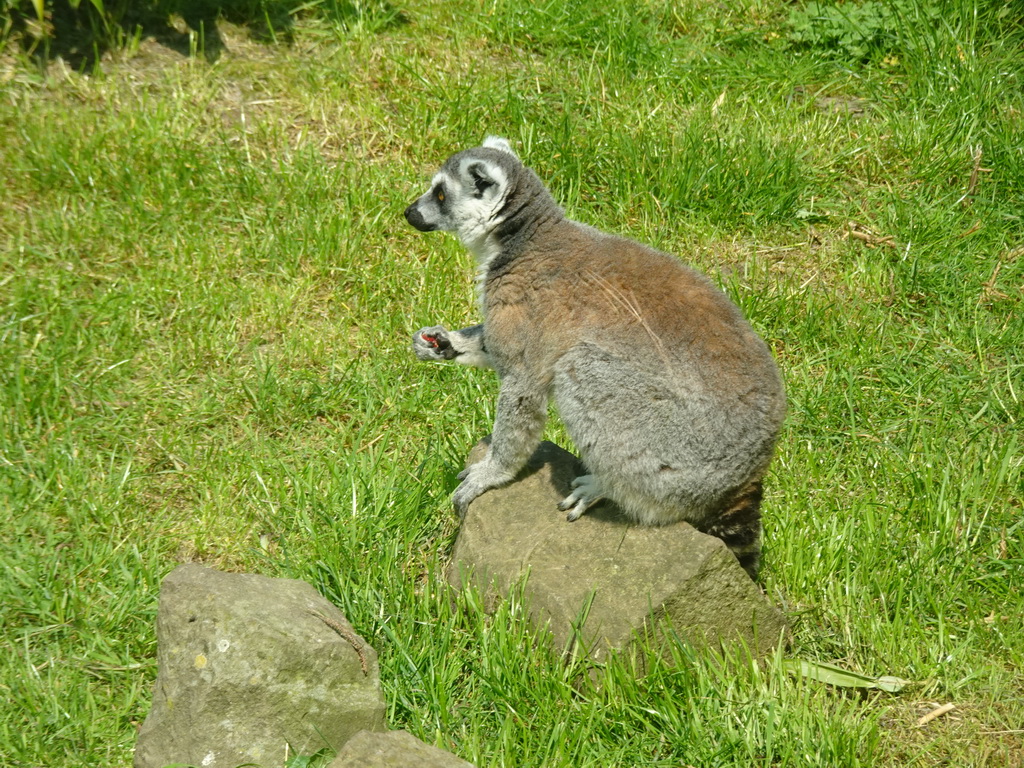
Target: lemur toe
x,y
586,492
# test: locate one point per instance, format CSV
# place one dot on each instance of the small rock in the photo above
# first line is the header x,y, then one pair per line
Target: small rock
x,y
252,669
396,749
640,579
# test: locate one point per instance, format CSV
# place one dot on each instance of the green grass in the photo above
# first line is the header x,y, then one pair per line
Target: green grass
x,y
207,290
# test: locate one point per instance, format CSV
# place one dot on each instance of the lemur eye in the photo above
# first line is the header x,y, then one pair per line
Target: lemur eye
x,y
440,195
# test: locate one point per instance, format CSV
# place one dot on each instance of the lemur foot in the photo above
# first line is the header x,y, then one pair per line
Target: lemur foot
x,y
466,493
432,344
585,494
476,481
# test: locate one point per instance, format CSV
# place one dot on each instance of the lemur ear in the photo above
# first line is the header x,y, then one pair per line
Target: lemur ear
x,y
482,177
496,142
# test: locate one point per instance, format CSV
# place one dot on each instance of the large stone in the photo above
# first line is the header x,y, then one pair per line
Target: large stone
x,y
628,581
252,669
396,749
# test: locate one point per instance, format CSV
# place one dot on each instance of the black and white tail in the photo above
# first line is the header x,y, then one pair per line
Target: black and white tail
x,y
739,526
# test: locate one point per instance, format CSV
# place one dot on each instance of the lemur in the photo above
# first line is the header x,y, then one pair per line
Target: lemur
x,y
672,399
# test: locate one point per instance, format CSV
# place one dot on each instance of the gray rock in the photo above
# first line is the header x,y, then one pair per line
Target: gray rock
x,y
638,581
396,749
249,667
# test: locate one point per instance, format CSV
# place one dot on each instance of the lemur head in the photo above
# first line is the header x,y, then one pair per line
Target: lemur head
x,y
469,196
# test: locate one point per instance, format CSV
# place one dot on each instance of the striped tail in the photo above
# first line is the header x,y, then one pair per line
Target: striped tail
x,y
739,526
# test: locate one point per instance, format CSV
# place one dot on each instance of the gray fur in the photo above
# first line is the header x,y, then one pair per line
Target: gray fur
x,y
671,398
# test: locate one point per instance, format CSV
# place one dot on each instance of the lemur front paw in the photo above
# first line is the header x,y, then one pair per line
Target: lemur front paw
x,y
476,481
432,344
468,490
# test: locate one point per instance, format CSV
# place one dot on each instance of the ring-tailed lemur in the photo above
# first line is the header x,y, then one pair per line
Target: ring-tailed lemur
x,y
671,398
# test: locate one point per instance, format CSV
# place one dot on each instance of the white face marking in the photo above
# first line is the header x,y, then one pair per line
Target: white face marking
x,y
475,213
468,203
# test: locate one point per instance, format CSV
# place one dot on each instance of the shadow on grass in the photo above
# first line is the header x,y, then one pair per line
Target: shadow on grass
x,y
81,34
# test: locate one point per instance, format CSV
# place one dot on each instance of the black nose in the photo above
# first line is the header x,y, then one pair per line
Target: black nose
x,y
414,217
